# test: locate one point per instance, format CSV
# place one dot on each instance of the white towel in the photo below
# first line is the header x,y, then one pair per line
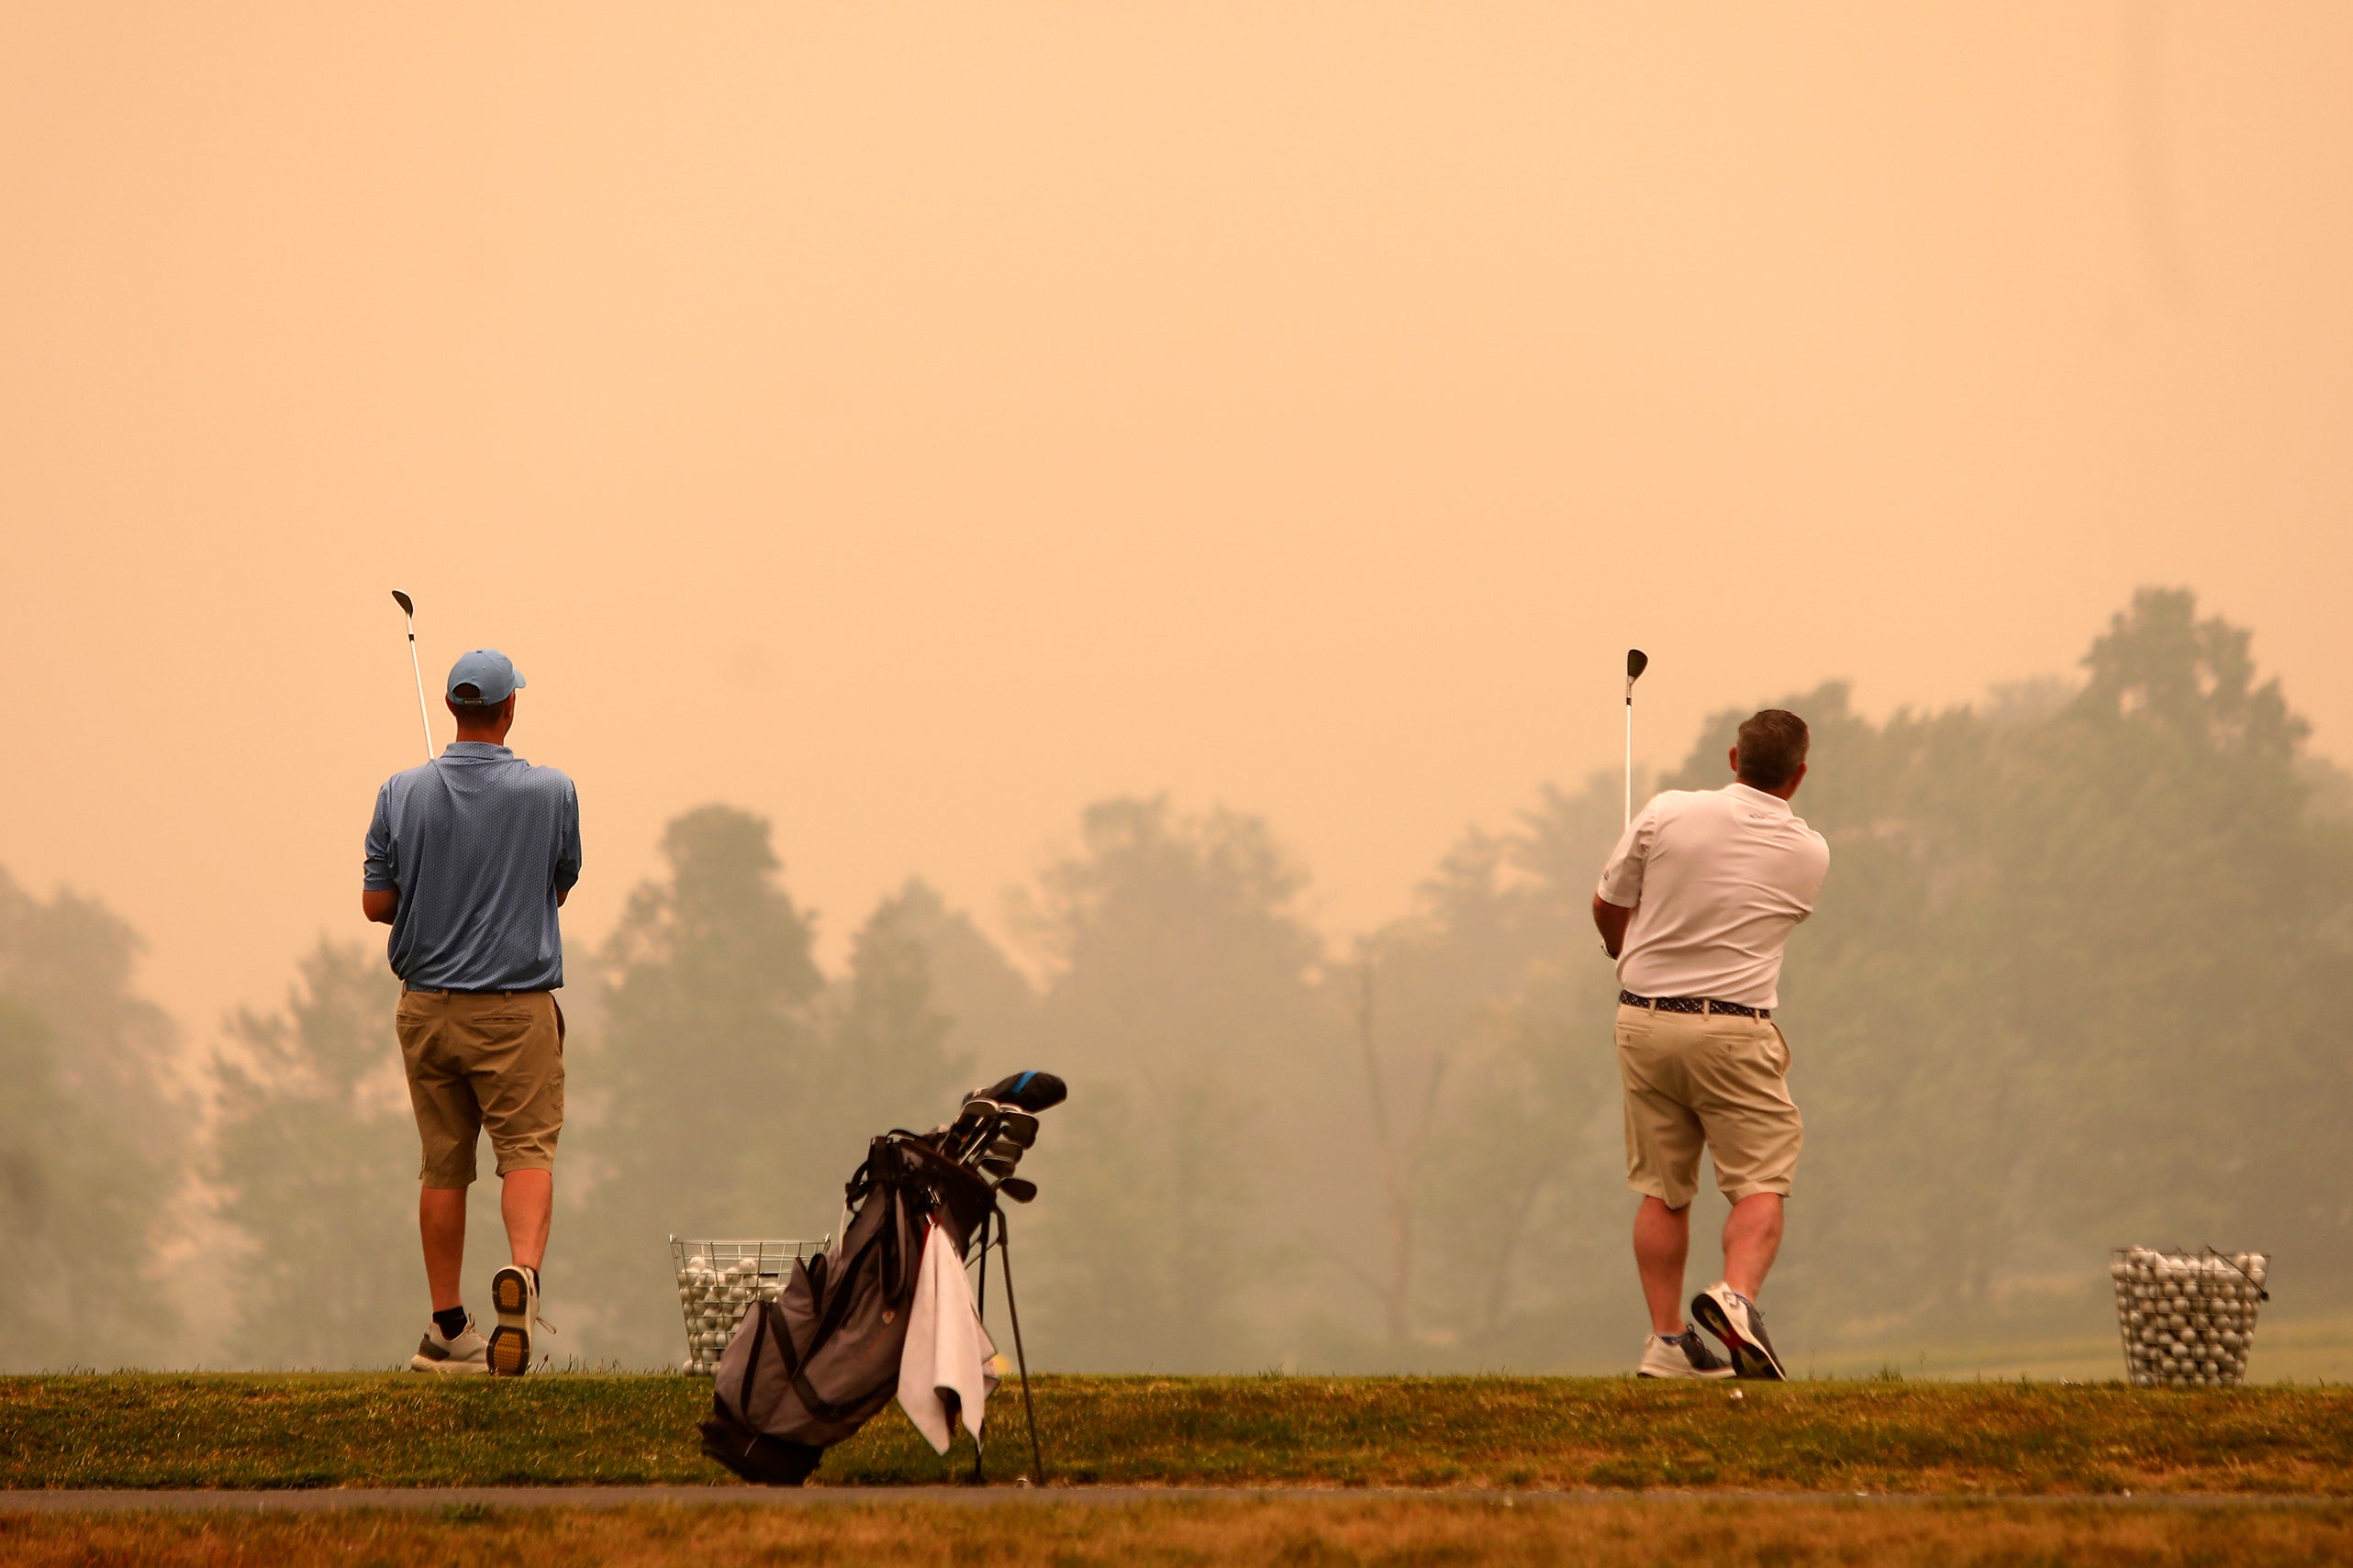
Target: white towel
x,y
948,1367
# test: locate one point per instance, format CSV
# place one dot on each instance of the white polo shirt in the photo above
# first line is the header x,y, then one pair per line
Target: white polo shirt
x,y
1717,880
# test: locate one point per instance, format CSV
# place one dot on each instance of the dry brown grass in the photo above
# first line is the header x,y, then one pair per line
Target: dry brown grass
x,y
1307,1533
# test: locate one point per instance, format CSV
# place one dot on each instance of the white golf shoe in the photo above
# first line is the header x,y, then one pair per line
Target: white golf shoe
x,y
515,1296
1685,1355
468,1352
1734,1319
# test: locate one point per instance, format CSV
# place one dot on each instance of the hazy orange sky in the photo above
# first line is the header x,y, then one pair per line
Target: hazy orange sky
x,y
913,423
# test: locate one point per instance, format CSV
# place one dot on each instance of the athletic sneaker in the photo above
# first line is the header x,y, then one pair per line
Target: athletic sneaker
x,y
515,1296
1683,1355
468,1352
1734,1319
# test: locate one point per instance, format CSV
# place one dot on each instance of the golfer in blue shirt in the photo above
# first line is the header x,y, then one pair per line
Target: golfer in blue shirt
x,y
468,859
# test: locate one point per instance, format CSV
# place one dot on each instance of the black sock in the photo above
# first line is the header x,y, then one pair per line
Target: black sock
x,y
450,1322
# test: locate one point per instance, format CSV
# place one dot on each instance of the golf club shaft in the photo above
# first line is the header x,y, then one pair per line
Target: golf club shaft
x,y
423,714
1636,663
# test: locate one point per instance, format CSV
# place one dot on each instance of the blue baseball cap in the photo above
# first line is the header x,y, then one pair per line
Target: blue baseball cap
x,y
487,671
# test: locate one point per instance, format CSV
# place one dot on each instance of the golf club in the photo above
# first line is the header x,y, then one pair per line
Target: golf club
x,y
409,609
1636,663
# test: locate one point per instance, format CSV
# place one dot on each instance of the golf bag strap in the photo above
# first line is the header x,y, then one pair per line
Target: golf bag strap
x,y
750,1362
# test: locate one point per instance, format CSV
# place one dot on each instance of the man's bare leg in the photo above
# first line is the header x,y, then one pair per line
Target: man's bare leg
x,y
1752,1238
526,1202
440,1225
1662,1241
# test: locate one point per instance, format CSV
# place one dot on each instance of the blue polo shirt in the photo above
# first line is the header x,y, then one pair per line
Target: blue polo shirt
x,y
479,843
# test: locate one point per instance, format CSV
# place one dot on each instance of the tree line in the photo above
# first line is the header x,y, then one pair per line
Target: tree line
x,y
2073,983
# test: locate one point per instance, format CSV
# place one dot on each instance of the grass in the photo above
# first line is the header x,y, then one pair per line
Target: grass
x,y
1950,1438
1304,1534
2303,1349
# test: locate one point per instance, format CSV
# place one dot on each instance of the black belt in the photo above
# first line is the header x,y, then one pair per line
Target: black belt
x,y
459,991
1692,1005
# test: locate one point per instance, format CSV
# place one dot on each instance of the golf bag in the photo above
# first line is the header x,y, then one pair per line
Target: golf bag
x,y
807,1370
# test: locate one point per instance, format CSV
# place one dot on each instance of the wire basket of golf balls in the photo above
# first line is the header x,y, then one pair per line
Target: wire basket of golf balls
x,y
2188,1319
720,1280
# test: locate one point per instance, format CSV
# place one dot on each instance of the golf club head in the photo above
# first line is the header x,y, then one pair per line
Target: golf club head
x,y
974,1125
408,605
995,1170
1019,1128
974,1116
1018,1189
1027,1091
1636,663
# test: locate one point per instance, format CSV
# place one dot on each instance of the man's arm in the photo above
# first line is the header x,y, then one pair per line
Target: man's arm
x,y
379,890
567,859
1610,919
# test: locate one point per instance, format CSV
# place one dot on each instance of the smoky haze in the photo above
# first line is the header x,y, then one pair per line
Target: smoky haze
x,y
1077,540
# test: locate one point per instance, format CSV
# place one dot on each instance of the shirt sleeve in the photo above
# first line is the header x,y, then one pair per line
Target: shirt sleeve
x,y
1622,876
376,871
1816,876
567,855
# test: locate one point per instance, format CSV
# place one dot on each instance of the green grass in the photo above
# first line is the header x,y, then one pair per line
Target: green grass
x,y
1959,1438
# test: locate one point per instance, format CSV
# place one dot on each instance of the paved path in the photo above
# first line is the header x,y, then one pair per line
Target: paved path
x,y
334,1499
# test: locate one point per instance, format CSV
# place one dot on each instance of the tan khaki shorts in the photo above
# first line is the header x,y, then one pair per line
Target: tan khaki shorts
x,y
490,1062
1712,1080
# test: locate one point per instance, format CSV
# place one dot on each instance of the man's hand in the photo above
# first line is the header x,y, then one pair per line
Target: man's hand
x,y
380,904
1610,919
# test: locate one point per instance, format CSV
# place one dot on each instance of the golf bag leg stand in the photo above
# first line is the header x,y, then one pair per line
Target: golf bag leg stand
x,y
1029,1410
980,1309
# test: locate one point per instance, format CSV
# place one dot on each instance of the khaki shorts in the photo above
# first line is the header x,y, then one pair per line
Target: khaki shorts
x,y
1716,1080
478,1062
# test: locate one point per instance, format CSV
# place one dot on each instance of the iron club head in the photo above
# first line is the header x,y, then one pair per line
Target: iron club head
x,y
409,610
1636,663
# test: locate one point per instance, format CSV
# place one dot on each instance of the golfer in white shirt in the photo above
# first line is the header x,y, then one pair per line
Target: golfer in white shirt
x,y
1696,904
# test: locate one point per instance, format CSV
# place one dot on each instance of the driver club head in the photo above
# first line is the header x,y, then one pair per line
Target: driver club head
x,y
408,605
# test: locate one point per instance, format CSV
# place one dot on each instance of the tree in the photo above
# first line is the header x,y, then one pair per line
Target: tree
x,y
890,1041
69,960
77,1211
94,1133
1182,1006
315,1159
1524,1139
991,1010
710,1105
